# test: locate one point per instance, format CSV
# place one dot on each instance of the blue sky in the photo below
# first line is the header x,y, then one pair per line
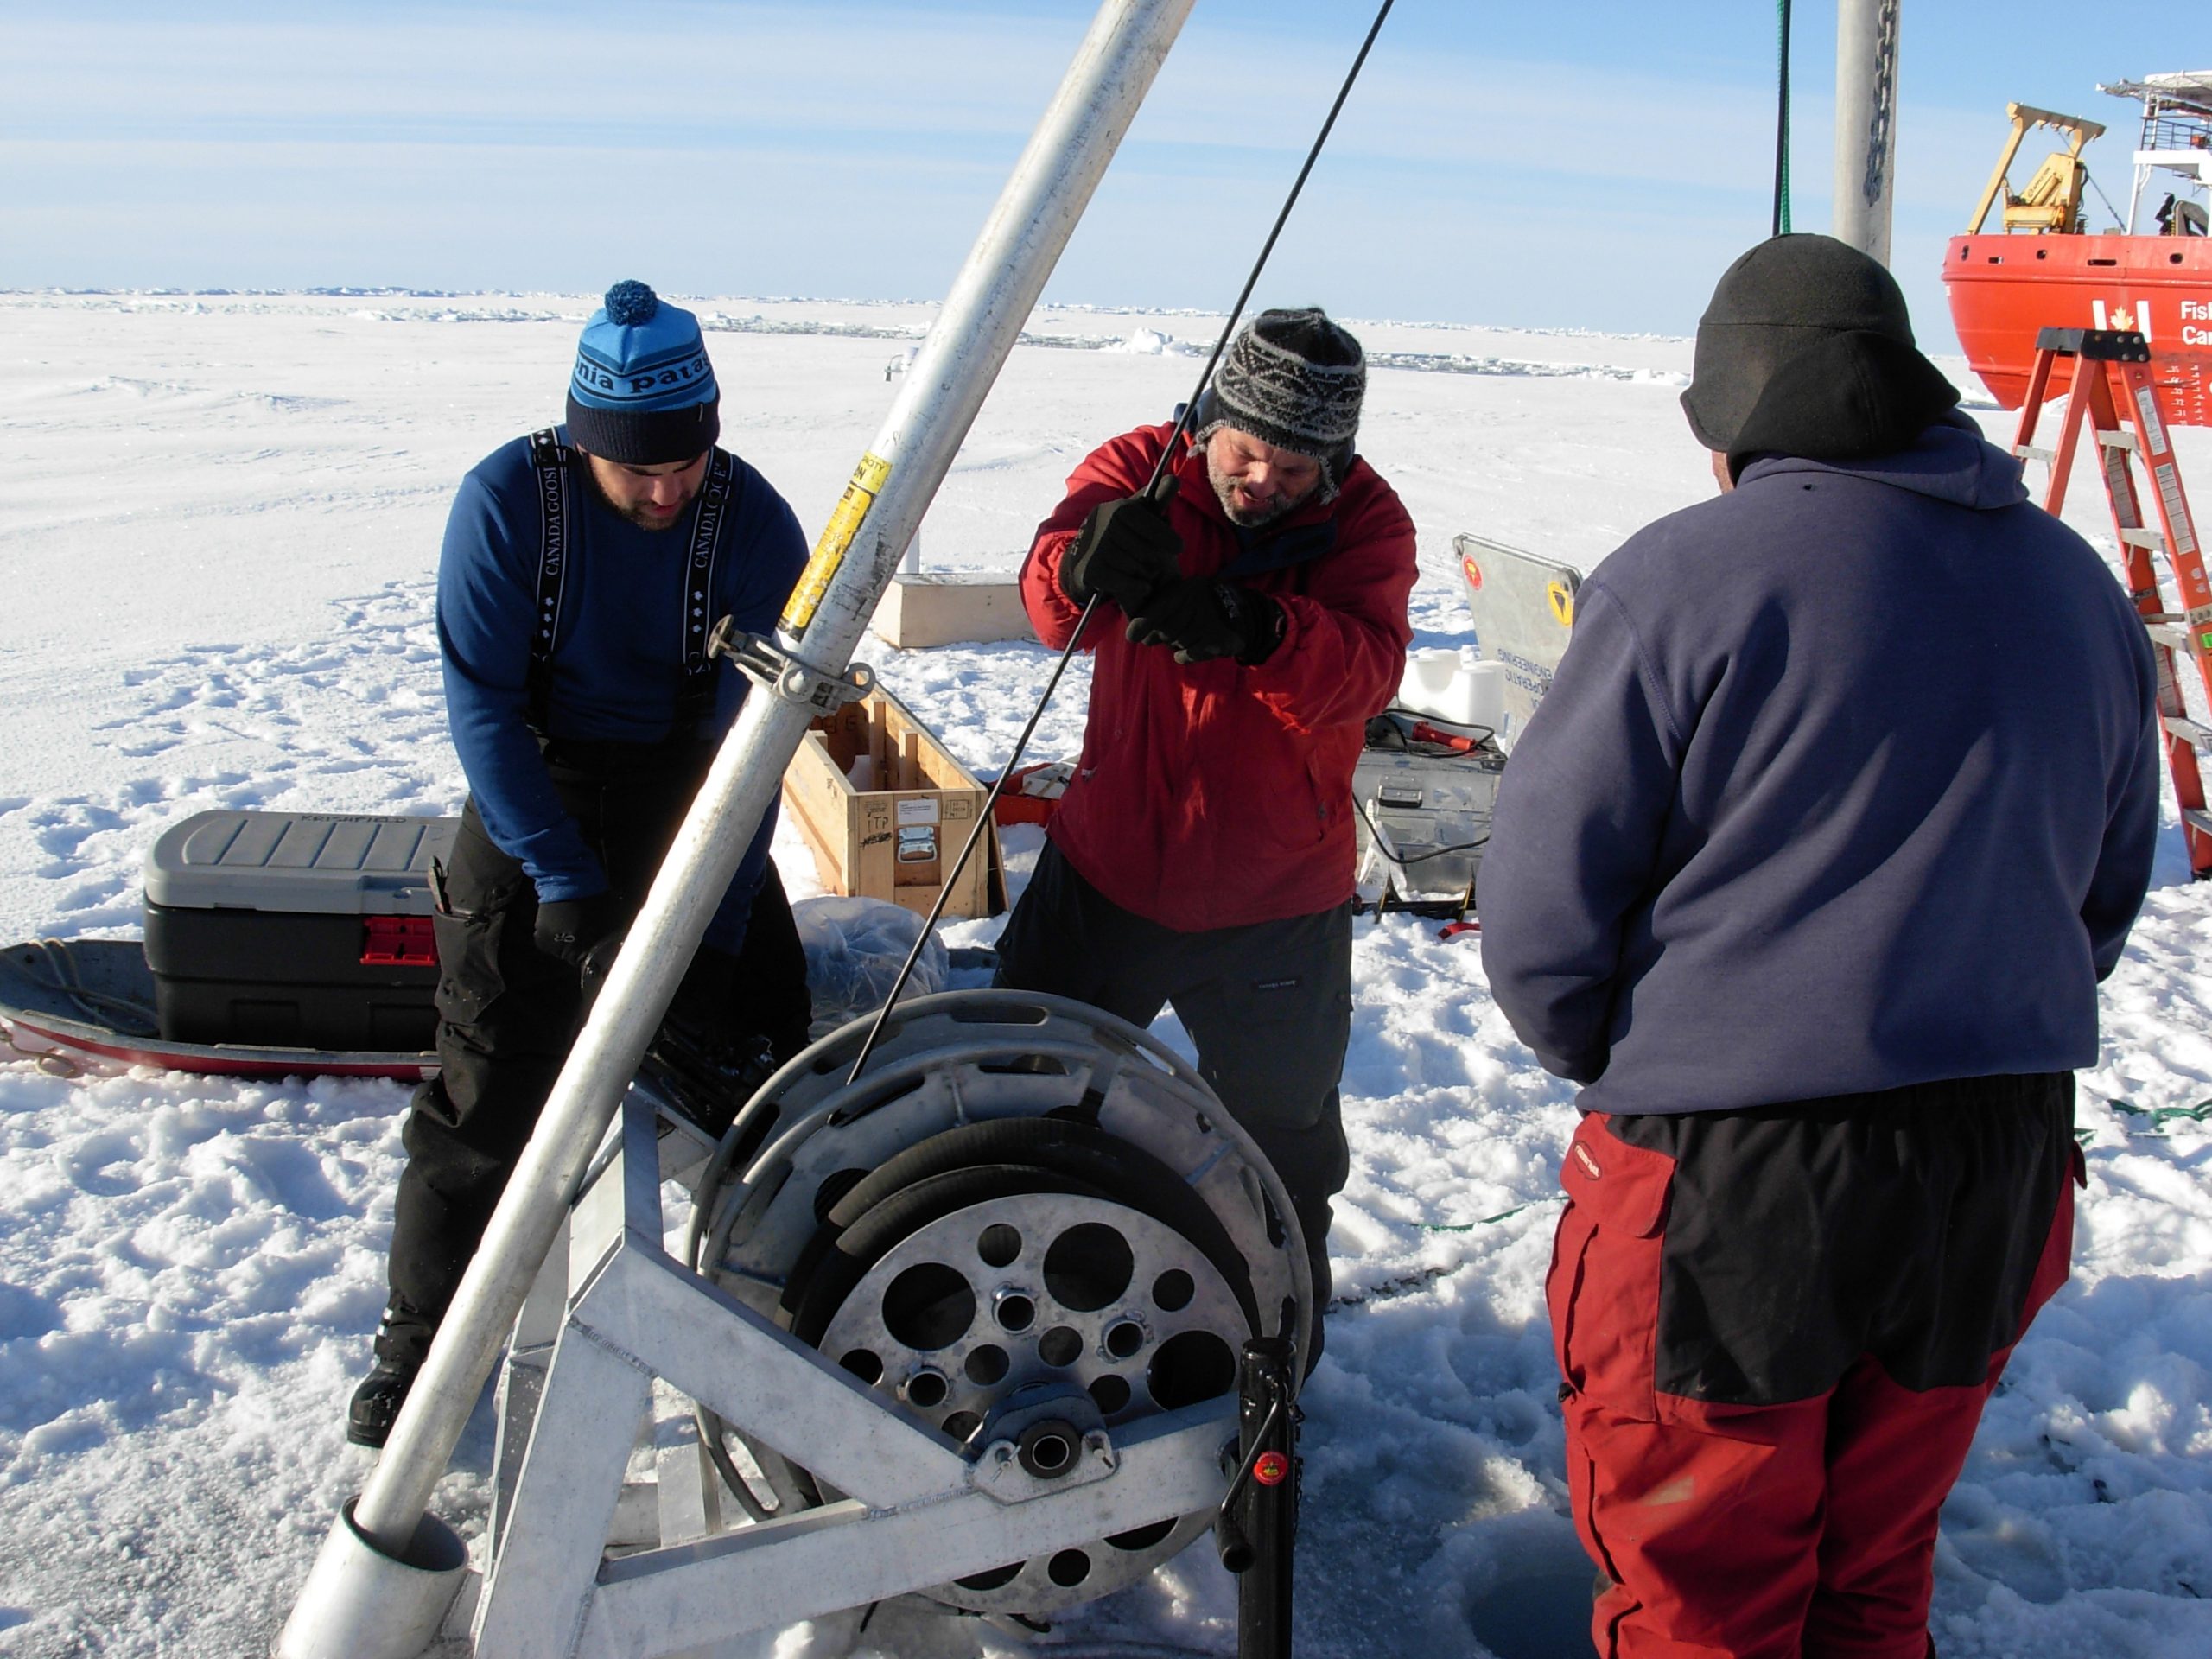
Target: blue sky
x,y
1587,163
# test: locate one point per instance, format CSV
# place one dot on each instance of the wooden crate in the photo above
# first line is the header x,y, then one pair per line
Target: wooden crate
x,y
897,839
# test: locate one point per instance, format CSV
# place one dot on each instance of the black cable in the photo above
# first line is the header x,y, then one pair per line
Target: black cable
x,y
1183,418
1782,132
1401,859
2120,226
1478,736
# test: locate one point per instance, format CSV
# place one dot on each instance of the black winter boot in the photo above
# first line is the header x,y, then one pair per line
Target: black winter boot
x,y
402,1342
377,1402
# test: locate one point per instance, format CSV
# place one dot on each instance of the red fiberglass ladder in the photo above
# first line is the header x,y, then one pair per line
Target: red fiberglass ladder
x,y
2113,383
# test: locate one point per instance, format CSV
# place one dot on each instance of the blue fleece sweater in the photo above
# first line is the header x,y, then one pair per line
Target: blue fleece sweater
x,y
618,653
1849,780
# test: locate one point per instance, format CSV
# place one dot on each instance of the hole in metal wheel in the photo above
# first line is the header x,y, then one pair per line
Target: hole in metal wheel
x,y
1014,1311
1190,1366
1026,1065
1141,1537
1172,1290
962,1425
1051,1454
1123,1338
927,1389
1069,1569
999,1245
962,1013
1060,1346
987,1365
1089,1267
928,1307
1110,1394
997,1578
835,1186
863,1365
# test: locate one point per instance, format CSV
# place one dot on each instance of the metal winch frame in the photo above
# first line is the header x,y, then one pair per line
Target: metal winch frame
x,y
1029,1429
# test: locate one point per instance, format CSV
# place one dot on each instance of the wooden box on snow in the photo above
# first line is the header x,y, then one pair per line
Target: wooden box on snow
x,y
897,838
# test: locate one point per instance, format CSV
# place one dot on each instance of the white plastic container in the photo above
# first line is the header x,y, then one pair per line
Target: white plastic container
x,y
1453,685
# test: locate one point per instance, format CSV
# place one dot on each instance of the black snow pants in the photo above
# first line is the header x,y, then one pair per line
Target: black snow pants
x,y
507,1014
1268,1006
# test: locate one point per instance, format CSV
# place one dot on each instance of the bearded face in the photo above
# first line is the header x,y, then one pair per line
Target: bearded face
x,y
652,498
1255,481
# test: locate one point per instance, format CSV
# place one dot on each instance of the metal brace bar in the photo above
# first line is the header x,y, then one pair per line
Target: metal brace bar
x,y
678,1600
761,657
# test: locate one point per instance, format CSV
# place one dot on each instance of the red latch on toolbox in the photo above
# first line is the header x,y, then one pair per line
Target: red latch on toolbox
x,y
398,941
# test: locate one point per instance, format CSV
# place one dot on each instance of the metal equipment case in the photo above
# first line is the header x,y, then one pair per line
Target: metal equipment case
x,y
307,929
1422,821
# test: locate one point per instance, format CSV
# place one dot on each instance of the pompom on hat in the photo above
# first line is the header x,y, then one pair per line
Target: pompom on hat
x,y
643,392
1294,380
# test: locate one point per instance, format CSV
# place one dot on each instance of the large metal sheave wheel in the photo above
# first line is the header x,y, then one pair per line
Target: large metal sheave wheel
x,y
1027,1224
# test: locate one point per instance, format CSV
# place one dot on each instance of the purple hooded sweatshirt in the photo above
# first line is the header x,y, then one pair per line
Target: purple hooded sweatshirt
x,y
1849,780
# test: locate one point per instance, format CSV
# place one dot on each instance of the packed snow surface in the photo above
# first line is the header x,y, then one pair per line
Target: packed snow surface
x,y
219,526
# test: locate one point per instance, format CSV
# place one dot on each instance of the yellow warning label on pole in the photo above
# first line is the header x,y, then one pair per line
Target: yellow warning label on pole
x,y
861,490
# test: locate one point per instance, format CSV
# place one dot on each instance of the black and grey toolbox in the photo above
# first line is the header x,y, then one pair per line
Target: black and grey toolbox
x,y
303,930
1424,790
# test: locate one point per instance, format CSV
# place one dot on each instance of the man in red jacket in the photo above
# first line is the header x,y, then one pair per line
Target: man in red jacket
x,y
1251,618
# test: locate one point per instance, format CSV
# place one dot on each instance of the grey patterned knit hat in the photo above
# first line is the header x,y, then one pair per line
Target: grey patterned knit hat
x,y
1294,380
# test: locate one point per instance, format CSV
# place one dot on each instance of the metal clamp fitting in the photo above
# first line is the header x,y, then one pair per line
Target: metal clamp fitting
x,y
762,658
1042,1441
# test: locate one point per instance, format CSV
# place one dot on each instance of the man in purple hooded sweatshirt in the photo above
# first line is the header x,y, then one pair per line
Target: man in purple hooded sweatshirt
x,y
1807,869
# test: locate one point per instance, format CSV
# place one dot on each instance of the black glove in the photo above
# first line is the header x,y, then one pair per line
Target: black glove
x,y
704,1054
1126,550
582,932
1204,617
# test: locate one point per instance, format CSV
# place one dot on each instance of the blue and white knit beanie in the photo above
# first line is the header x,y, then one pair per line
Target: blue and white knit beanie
x,y
1294,380
643,392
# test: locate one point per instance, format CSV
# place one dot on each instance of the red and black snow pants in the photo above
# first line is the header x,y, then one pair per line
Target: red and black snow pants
x,y
1777,1329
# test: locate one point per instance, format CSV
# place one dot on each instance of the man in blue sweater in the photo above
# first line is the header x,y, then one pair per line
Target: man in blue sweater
x,y
583,571
1807,868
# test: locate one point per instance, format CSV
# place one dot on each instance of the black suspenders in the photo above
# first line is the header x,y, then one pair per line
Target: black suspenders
x,y
694,694
547,461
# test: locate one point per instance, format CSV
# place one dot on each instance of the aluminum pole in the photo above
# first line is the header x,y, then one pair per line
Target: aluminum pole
x,y
1866,122
881,508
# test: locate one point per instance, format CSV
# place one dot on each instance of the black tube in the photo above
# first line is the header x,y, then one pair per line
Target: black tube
x,y
1781,128
1258,1533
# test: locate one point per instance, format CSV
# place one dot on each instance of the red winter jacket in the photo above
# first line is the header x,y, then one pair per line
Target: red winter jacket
x,y
1214,795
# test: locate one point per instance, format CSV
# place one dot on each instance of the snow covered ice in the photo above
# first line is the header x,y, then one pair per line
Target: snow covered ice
x,y
219,526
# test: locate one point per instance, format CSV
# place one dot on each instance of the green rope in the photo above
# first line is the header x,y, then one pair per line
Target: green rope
x,y
2163,1116
1421,1279
1470,1226
1781,128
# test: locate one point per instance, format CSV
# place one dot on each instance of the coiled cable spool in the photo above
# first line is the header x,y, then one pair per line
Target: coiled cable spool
x,y
1022,1211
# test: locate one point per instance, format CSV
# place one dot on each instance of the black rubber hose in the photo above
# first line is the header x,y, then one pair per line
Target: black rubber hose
x,y
1124,1172
810,1303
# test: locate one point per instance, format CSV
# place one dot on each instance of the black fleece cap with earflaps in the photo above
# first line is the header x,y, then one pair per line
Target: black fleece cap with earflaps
x,y
1807,350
